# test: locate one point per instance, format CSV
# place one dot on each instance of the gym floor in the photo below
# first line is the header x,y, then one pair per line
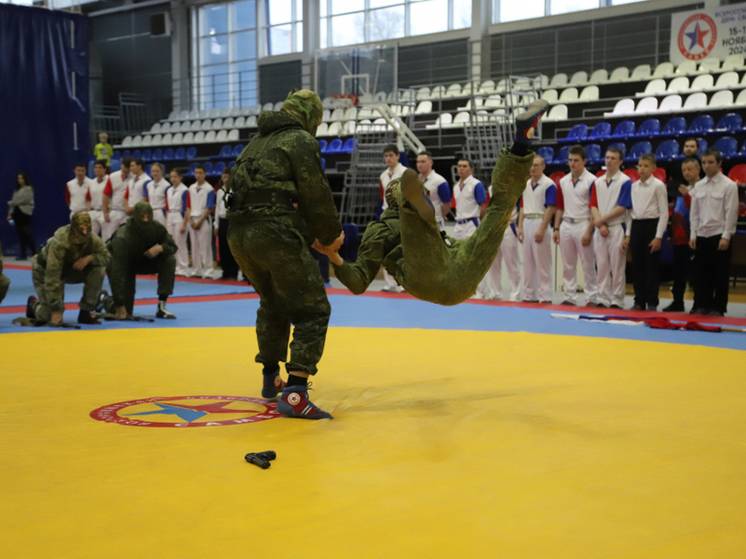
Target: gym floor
x,y
487,429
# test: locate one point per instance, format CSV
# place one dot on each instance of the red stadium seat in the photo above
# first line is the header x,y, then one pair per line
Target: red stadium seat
x,y
660,173
738,173
556,176
632,174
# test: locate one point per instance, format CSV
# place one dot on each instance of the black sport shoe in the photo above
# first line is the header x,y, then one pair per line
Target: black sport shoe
x,y
163,312
294,402
31,306
674,307
272,385
87,317
529,119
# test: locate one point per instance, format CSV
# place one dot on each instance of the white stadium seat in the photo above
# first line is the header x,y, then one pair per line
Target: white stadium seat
x,y
677,85
337,115
702,82
670,103
423,93
268,106
211,137
557,112
663,70
127,141
322,130
696,101
488,86
424,107
349,127
438,92
228,122
647,105
709,65
641,72
251,122
599,76
579,78
335,128
147,140
240,122
199,137
727,80
460,119
156,127
687,67
733,62
720,99
589,93
167,139
550,96
443,120
541,81
233,135
620,74
568,95
206,124
178,138
493,101
188,138
166,127
222,136
351,113
558,80
624,107
655,86
157,140
326,116
741,99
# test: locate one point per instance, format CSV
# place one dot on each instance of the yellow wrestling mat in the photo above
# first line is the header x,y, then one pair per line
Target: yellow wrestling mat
x,y
454,444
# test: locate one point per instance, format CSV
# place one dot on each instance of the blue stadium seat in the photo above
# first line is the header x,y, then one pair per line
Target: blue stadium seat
x,y
208,167
115,165
637,150
668,150
190,170
226,152
701,146
136,154
168,154
191,152
335,146
649,128
322,145
701,123
561,157
624,129
147,155
91,163
727,146
218,168
621,146
731,122
743,149
576,134
157,154
546,153
179,154
349,145
593,153
674,127
601,131
126,153
237,149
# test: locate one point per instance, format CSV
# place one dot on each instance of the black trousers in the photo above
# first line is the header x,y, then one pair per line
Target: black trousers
x,y
711,267
25,231
682,255
227,262
645,265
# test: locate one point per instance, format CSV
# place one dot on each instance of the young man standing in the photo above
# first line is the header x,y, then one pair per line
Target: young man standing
x,y
176,207
200,207
573,229
227,262
77,191
611,197
155,192
96,196
468,196
437,187
713,216
115,205
537,208
647,224
137,188
394,170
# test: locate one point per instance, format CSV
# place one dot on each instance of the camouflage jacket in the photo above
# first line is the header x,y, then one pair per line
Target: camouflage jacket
x,y
57,257
132,240
283,156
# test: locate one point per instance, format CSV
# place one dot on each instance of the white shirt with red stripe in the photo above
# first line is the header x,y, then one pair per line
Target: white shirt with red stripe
x,y
386,177
467,206
96,193
201,197
536,199
574,195
77,194
610,192
137,189
176,202
156,192
116,189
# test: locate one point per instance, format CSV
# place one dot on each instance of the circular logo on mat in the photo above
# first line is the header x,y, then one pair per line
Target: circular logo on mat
x,y
697,36
187,411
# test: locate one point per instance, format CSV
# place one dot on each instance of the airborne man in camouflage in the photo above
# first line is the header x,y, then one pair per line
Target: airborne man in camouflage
x,y
281,202
141,246
73,255
408,242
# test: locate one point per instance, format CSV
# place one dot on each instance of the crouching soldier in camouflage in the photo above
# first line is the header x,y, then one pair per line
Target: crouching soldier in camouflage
x,y
407,240
73,255
141,246
4,281
281,202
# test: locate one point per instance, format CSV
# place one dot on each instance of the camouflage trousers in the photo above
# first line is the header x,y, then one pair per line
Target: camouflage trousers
x,y
278,262
123,288
92,278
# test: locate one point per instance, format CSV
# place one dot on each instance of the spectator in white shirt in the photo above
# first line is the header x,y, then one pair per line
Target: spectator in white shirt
x,y
137,187
156,193
713,218
394,170
176,209
198,218
437,187
647,224
77,191
96,195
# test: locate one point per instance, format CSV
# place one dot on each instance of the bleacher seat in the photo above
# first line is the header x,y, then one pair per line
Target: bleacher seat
x,y
237,149
127,141
733,62
218,168
157,140
178,138
619,74
168,154
454,90
323,145
655,87
460,119
731,122
335,146
157,154
156,127
335,129
322,130
674,127
737,174
667,150
438,92
703,82
577,133
423,94
444,119
349,145
569,95
222,136
678,85
723,98
168,139
268,107
624,107
557,112
191,152
251,122
424,107
687,67
561,156
670,103
593,153
579,78
210,137
179,154
663,70
337,115
599,76
234,135
646,105
727,80
487,86
558,80
166,127
621,146
546,153
226,152
493,101
240,122
741,99
727,146
199,137
624,129
640,72
600,131
711,64
695,101
589,93
637,150
648,128
541,81
701,123
348,128
550,96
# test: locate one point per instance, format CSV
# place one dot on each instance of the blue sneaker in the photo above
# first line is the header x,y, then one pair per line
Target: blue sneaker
x,y
272,385
294,402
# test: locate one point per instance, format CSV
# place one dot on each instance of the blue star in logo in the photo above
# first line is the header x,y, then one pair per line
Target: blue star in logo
x,y
697,36
184,414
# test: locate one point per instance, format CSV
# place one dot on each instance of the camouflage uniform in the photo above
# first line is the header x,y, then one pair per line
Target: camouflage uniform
x,y
412,249
127,247
282,202
4,281
52,268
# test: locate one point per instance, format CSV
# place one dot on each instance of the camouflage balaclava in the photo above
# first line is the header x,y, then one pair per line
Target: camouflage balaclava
x,y
80,221
305,107
142,218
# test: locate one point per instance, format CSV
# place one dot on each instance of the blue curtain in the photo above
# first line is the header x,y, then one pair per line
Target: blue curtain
x,y
43,110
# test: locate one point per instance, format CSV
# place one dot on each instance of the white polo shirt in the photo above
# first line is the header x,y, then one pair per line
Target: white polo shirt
x,y
609,192
77,194
96,192
387,176
714,209
116,189
440,193
200,198
650,201
156,193
538,195
176,202
574,196
137,189
464,194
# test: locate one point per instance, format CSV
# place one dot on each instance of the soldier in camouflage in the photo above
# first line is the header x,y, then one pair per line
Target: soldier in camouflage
x,y
4,281
73,255
281,202
141,246
407,240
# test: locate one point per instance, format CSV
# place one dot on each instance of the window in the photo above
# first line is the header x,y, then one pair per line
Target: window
x,y
347,22
282,29
513,10
525,9
566,6
225,62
